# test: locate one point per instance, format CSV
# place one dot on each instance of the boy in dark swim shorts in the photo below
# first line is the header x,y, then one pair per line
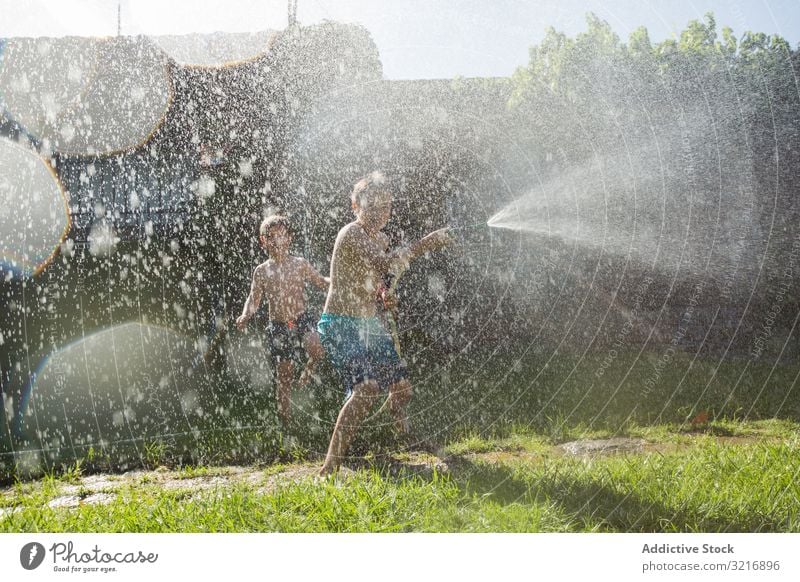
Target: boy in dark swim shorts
x,y
357,342
286,338
292,337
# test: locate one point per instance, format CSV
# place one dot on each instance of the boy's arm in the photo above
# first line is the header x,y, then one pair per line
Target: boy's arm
x,y
431,242
375,252
253,299
315,277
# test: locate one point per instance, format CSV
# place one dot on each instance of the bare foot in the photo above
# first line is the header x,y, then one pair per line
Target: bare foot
x,y
327,470
419,444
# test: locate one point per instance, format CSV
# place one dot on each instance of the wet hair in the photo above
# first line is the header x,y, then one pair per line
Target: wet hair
x,y
272,221
367,188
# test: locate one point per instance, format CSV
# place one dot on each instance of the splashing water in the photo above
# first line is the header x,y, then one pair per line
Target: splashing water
x,y
621,205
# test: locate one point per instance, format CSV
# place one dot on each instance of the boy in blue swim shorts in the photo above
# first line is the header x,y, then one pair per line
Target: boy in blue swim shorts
x,y
355,339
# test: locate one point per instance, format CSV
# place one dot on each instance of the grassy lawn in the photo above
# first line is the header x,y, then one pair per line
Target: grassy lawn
x,y
725,476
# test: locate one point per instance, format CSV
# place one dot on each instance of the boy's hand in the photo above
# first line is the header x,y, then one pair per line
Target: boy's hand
x,y
389,300
241,322
437,239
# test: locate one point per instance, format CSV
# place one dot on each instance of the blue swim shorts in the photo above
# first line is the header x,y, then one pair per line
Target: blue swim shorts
x,y
360,348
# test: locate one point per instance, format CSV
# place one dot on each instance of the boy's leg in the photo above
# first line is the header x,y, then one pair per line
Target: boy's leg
x,y
399,396
313,347
392,371
351,416
284,391
281,351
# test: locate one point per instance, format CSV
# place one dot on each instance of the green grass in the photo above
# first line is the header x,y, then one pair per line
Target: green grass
x,y
710,487
489,396
504,469
516,441
685,480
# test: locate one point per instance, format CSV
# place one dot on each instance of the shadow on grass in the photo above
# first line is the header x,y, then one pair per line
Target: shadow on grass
x,y
588,503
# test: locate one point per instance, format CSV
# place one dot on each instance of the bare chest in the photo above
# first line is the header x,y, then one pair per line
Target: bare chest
x,y
283,280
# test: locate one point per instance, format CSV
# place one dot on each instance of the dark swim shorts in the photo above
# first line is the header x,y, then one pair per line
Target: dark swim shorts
x,y
286,338
360,348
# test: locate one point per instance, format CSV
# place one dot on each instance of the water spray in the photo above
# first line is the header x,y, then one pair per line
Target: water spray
x,y
461,231
477,227
467,232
